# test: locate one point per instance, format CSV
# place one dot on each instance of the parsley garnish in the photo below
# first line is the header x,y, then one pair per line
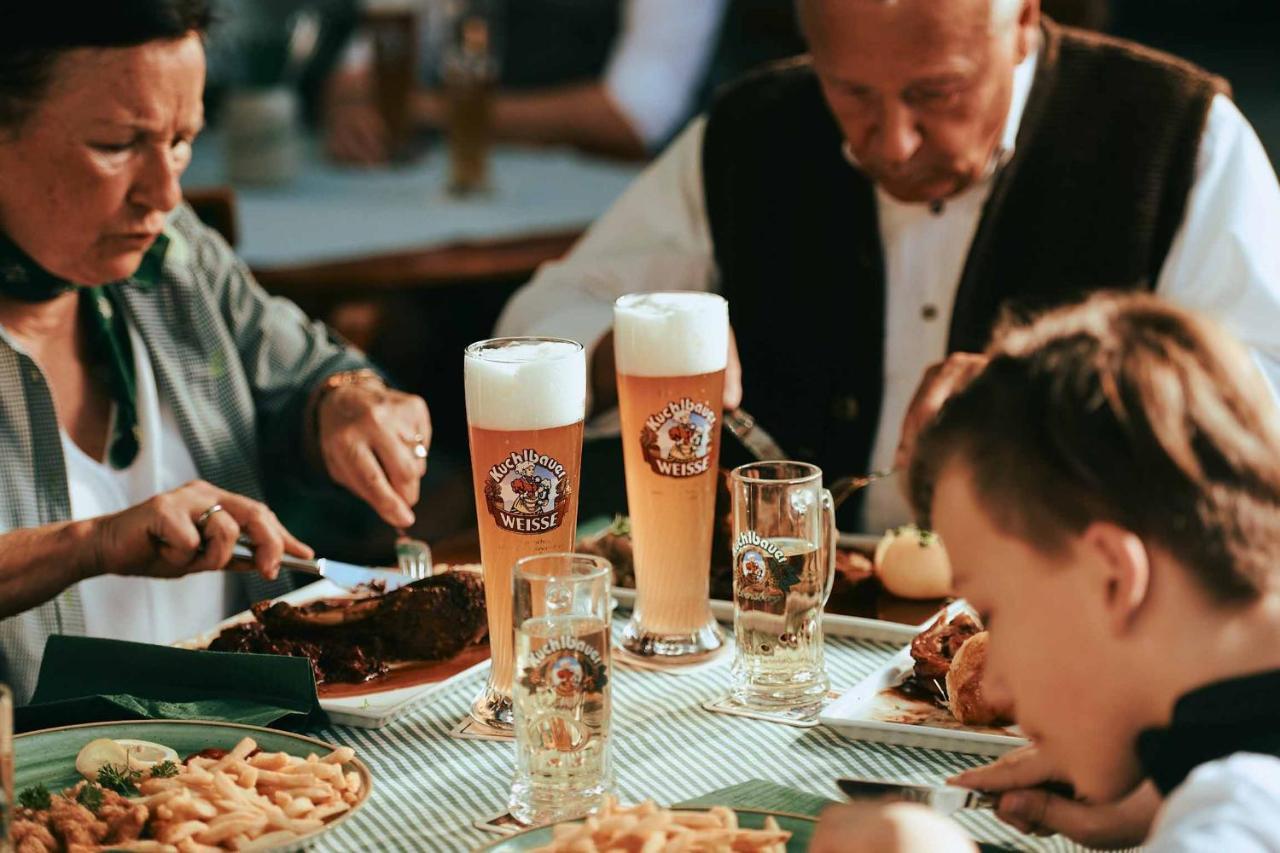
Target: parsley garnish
x,y
122,781
164,770
90,797
35,797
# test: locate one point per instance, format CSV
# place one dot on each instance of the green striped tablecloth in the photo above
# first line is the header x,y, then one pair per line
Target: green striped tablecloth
x,y
429,788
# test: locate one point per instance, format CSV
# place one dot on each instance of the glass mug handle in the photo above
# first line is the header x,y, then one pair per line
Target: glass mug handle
x,y
829,542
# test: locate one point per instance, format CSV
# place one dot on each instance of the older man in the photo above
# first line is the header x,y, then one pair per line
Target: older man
x,y
870,210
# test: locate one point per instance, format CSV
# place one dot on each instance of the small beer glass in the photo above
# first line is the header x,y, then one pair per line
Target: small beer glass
x,y
784,536
6,767
561,688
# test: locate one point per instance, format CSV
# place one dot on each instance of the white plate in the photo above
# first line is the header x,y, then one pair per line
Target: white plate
x,y
862,711
371,710
833,624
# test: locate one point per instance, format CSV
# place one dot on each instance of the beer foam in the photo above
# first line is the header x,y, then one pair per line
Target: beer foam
x,y
670,334
536,384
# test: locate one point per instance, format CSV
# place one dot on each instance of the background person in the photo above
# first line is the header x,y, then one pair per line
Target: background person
x,y
152,390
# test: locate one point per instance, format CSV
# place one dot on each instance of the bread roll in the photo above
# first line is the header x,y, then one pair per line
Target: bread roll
x,y
964,686
911,563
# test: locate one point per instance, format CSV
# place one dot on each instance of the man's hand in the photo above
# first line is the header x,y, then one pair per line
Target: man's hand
x,y
1017,777
891,828
174,534
368,438
939,383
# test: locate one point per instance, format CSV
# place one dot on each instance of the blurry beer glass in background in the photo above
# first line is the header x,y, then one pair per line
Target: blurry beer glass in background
x,y
526,399
784,537
561,687
6,767
470,72
393,29
671,350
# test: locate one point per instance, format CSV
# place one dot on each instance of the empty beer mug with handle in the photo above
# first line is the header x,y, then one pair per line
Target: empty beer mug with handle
x,y
784,538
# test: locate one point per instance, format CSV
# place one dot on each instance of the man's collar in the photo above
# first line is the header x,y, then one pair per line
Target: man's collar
x,y
1213,722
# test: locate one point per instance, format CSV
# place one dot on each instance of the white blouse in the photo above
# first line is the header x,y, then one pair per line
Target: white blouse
x,y
147,610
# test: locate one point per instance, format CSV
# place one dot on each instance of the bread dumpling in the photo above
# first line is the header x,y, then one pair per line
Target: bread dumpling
x,y
912,563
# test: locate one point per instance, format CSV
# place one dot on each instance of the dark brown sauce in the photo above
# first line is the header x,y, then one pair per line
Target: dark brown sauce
x,y
409,674
916,690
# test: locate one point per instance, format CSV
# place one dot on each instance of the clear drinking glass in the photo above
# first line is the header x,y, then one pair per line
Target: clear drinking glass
x,y
671,350
6,767
562,687
784,537
526,398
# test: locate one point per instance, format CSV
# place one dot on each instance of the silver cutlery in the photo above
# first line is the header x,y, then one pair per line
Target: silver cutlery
x,y
413,556
842,488
943,799
758,443
346,575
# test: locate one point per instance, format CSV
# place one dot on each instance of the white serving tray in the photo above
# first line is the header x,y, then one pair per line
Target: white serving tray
x,y
371,710
864,714
833,624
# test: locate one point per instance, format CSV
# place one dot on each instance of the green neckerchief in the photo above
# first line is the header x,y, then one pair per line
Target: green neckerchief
x,y
108,333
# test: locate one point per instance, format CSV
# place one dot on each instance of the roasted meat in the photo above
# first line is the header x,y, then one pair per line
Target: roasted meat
x,y
936,646
352,640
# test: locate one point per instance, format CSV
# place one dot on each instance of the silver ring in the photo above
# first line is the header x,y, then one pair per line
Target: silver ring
x,y
419,442
206,515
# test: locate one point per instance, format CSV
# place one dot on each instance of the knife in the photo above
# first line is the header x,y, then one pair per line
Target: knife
x,y
943,799
346,575
753,436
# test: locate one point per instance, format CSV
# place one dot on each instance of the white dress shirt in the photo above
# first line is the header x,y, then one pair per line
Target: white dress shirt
x,y
1232,804
654,70
1224,260
145,610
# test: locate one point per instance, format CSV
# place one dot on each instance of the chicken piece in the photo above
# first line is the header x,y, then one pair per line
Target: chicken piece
x,y
965,697
124,818
934,647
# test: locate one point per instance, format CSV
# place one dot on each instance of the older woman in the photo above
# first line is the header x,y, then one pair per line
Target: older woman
x,y
150,387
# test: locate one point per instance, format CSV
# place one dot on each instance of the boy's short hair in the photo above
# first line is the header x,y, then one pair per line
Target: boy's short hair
x,y
1128,409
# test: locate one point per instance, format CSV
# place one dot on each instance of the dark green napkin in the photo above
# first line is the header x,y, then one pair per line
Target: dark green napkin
x,y
87,680
759,795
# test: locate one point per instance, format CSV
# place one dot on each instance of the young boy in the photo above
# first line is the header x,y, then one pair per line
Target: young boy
x,y
1108,489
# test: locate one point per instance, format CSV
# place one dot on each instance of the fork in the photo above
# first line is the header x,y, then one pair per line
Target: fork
x,y
842,488
413,556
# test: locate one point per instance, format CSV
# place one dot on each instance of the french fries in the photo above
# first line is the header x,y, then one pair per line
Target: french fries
x,y
244,802
648,829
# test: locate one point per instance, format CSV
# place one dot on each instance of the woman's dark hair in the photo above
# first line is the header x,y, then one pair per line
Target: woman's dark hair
x,y
1124,409
34,37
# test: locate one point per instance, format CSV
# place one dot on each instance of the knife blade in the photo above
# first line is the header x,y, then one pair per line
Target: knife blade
x,y
943,799
753,437
346,575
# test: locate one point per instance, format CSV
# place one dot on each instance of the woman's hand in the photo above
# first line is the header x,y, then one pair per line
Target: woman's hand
x,y
175,534
1025,805
374,441
892,828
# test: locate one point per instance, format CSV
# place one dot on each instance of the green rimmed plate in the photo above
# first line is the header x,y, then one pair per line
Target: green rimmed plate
x,y
800,827
48,757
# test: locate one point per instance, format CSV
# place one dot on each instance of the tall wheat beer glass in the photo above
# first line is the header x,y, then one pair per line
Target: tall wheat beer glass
x,y
671,350
526,398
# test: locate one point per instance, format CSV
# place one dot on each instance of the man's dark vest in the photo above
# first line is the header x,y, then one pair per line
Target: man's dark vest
x,y
551,42
1091,198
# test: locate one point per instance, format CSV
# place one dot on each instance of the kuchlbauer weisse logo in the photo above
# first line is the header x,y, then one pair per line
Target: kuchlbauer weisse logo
x,y
527,492
678,440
